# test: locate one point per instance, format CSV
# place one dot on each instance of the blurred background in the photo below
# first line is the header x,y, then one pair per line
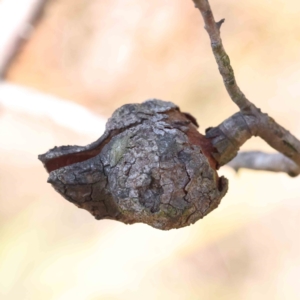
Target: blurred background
x,y
66,66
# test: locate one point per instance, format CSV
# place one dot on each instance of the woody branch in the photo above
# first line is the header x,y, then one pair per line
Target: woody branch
x,y
250,121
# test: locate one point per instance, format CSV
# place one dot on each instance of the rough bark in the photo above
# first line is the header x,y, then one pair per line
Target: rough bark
x,y
151,166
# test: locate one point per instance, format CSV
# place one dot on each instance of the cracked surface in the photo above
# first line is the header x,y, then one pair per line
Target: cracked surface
x,y
151,166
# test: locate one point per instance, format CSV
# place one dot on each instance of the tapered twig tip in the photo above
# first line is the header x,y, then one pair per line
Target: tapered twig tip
x,y
219,24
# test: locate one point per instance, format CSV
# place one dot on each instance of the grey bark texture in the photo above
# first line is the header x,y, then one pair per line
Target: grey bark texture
x,y
151,166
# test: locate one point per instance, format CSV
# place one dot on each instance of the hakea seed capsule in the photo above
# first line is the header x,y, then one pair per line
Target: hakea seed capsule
x,y
151,165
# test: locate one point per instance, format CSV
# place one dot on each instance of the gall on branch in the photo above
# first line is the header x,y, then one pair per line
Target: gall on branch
x,y
153,166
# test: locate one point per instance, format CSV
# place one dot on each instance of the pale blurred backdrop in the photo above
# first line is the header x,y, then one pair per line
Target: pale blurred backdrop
x,y
102,54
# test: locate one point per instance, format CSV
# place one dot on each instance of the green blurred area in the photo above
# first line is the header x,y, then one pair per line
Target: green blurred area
x,y
105,54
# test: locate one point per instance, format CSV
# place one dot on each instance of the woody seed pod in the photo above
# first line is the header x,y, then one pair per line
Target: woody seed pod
x,y
151,165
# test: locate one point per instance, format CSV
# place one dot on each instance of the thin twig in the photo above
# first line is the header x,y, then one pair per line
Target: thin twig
x,y
259,124
213,29
256,160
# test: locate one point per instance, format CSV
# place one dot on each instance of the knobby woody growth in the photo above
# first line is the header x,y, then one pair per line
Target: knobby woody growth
x,y
152,165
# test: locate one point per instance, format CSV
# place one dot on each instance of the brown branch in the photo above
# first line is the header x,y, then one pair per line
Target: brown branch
x,y
258,123
228,137
16,20
256,160
213,29
278,137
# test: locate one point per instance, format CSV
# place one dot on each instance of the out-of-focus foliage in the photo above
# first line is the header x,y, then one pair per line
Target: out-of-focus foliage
x,y
102,54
